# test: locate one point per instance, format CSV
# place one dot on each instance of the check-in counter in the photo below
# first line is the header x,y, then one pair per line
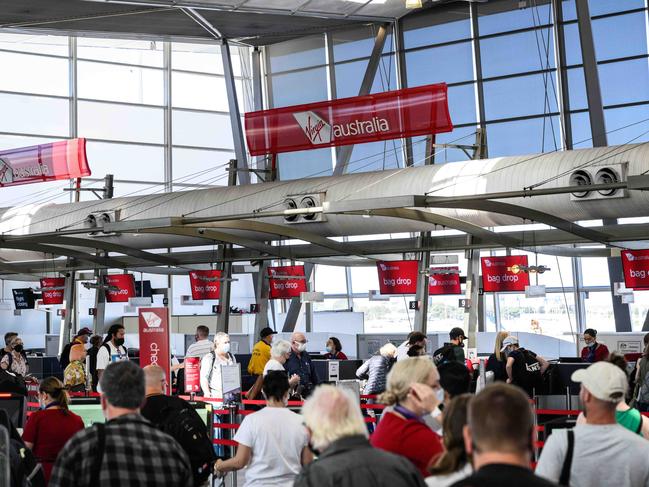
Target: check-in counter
x,y
42,367
336,370
559,391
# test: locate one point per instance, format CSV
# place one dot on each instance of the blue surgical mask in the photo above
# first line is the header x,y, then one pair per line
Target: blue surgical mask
x,y
440,395
330,349
225,348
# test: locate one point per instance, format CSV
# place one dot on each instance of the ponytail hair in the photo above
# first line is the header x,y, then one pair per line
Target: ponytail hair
x,y
403,375
56,390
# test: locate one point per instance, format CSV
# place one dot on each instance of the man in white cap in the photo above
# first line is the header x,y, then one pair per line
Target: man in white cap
x,y
600,452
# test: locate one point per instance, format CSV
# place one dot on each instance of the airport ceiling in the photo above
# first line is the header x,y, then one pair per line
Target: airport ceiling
x,y
254,22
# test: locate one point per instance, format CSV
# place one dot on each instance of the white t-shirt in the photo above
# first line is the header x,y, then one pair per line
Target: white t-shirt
x,y
273,364
451,478
402,351
604,455
104,358
200,348
276,437
207,364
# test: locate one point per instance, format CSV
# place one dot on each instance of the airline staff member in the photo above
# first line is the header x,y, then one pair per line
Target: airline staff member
x,y
259,359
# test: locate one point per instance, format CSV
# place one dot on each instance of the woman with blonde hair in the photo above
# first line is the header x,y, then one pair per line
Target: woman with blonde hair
x,y
376,369
413,390
497,360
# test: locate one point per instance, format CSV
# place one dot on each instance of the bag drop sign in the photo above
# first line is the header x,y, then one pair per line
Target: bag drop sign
x,y
154,338
635,264
125,284
501,274
444,282
281,285
205,284
398,276
52,290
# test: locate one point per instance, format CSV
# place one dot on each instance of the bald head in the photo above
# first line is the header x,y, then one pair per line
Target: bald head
x,y
298,342
155,380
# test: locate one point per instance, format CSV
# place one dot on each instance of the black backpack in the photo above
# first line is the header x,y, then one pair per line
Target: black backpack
x,y
10,382
527,369
188,429
25,471
64,359
444,354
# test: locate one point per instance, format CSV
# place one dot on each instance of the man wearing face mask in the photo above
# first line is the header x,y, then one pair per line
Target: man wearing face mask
x,y
300,363
211,366
112,350
127,450
452,351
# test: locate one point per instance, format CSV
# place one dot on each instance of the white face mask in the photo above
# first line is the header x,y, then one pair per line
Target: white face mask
x,y
225,347
301,347
440,395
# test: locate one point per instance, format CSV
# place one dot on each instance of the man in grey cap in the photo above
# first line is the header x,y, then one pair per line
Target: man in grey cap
x,y
600,452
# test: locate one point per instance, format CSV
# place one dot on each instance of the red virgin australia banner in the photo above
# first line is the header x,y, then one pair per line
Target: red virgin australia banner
x,y
125,284
154,338
45,162
53,294
205,284
422,110
444,282
281,286
635,264
398,276
501,274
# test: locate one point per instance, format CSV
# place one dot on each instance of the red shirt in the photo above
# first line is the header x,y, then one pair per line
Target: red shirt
x,y
601,353
49,430
337,356
409,438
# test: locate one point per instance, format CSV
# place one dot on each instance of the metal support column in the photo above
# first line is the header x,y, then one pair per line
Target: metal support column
x,y
562,75
258,103
168,143
580,308
261,285
477,71
402,82
472,294
69,310
295,307
223,320
421,313
345,152
598,131
100,302
235,115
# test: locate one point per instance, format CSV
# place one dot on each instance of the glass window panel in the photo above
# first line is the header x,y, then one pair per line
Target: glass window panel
x,y
523,136
386,316
357,43
349,77
121,122
376,156
569,10
15,141
442,24
581,134
620,36
364,279
444,314
459,135
639,309
112,82
312,83
577,89
126,161
204,58
198,166
601,7
560,273
461,104
517,53
599,311
146,53
555,314
520,96
331,305
330,279
573,44
202,129
594,271
132,189
299,53
497,17
43,193
199,91
622,119
34,74
624,82
57,45
35,115
304,164
449,64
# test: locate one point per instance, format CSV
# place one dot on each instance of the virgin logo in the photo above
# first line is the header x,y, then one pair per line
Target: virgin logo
x,y
317,130
152,320
487,262
630,257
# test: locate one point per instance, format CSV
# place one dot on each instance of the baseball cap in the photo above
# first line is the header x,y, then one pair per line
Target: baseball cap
x,y
457,333
84,331
603,380
510,340
267,331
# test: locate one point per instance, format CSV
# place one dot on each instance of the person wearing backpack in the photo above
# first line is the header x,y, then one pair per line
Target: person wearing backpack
x,y
81,338
74,375
524,368
453,351
112,350
211,366
177,418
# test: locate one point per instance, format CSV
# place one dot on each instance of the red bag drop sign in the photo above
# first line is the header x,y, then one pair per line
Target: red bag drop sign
x,y
499,274
192,374
53,296
154,339
422,110
444,283
635,265
205,284
46,162
398,276
280,284
126,288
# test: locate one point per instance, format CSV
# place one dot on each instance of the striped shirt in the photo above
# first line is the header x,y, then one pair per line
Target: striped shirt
x,y
199,349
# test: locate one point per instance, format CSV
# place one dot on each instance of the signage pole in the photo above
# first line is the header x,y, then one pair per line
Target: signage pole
x,y
66,320
421,313
472,294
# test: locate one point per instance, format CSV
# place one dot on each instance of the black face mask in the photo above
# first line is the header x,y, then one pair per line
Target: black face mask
x,y
119,342
18,348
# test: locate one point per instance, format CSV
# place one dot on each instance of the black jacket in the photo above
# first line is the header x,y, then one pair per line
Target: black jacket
x,y
497,367
352,462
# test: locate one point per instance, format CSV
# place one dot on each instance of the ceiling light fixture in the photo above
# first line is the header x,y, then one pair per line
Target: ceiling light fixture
x,y
413,4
